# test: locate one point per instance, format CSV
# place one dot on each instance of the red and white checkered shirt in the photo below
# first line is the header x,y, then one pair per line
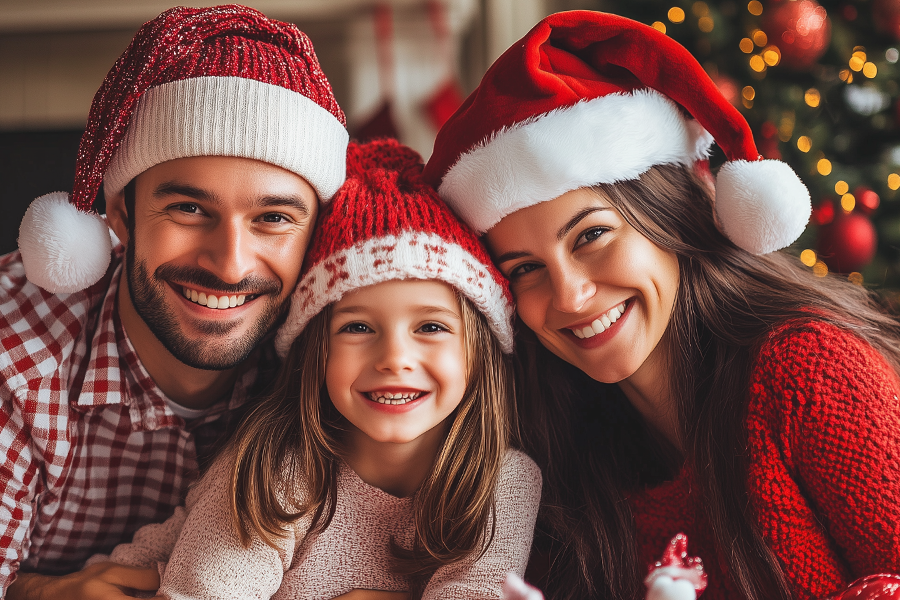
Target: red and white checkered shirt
x,y
93,451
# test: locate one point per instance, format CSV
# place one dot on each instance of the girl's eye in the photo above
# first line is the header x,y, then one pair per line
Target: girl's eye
x,y
590,235
523,269
356,328
432,328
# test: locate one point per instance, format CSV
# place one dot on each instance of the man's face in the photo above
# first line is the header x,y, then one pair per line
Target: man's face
x,y
214,253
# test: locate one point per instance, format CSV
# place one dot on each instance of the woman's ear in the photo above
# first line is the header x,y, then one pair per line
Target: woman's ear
x,y
117,216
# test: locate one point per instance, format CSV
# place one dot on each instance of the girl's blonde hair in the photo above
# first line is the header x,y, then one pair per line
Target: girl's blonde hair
x,y
293,435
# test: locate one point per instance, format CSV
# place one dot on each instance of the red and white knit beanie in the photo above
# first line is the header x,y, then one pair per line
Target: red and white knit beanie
x,y
384,224
587,98
221,81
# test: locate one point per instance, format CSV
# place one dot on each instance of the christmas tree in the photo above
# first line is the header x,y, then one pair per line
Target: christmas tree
x,y
818,84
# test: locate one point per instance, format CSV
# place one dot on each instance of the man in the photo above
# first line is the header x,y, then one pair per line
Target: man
x,y
215,136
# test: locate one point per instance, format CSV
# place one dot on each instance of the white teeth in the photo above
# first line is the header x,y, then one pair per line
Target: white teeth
x,y
219,302
392,398
601,324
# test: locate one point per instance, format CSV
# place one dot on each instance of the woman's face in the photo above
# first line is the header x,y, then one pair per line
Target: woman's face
x,y
597,293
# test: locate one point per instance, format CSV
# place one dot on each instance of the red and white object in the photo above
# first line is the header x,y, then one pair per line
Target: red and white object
x,y
677,576
385,224
220,81
587,98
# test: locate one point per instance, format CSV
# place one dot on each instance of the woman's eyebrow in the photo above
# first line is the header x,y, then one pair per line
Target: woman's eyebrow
x,y
579,216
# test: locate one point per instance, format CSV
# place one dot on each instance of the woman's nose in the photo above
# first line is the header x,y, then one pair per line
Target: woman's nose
x,y
570,289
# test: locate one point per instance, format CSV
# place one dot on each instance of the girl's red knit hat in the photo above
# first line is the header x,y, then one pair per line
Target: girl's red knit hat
x,y
587,98
220,81
386,223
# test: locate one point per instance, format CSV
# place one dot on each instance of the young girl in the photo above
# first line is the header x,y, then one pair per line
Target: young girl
x,y
381,460
680,374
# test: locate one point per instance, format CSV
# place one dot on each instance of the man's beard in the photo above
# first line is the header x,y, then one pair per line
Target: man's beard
x,y
206,352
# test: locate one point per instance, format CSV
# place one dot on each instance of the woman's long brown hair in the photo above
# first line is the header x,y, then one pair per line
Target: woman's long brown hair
x,y
287,452
593,446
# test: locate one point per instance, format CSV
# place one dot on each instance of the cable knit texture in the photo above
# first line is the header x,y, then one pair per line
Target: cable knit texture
x,y
823,427
209,562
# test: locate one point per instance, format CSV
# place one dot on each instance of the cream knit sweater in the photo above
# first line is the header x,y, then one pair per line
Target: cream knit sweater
x,y
207,561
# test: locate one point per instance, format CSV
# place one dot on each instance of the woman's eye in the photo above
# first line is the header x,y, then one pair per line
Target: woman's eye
x,y
356,328
523,269
591,235
432,328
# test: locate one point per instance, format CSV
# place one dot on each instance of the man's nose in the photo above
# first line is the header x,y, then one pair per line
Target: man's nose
x,y
229,251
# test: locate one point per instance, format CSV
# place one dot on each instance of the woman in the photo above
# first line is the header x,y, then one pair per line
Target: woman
x,y
688,378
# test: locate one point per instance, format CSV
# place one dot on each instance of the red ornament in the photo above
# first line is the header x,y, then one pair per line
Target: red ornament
x,y
847,243
800,29
886,14
866,199
874,587
823,214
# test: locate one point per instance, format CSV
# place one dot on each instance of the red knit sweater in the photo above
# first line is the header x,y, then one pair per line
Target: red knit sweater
x,y
824,479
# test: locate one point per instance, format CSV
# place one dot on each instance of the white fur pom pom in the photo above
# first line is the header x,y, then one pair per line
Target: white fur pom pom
x,y
762,205
666,588
63,249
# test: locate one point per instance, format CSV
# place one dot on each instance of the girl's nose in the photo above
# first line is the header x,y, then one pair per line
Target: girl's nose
x,y
395,353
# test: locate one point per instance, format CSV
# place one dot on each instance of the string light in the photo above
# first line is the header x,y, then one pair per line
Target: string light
x,y
700,9
823,166
748,92
786,126
894,181
804,144
755,8
848,202
757,63
676,15
706,24
772,55
759,37
855,278
870,70
808,257
812,97
846,75
659,26
820,269
892,55
857,62
746,45
841,187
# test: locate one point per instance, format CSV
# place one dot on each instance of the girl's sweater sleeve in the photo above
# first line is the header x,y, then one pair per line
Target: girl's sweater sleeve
x,y
210,563
824,432
517,499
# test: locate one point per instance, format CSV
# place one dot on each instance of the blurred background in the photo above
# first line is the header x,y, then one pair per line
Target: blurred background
x,y
816,79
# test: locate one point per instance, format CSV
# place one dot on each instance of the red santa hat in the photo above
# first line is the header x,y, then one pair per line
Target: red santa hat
x,y
220,81
384,224
587,98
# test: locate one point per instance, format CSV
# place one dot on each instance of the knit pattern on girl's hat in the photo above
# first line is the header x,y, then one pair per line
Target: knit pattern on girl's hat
x,y
587,98
386,223
221,81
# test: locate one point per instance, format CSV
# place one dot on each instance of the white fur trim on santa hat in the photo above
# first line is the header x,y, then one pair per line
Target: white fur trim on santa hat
x,y
407,256
604,140
232,116
762,206
63,249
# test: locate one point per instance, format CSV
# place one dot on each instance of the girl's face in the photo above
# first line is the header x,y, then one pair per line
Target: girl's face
x,y
597,293
396,361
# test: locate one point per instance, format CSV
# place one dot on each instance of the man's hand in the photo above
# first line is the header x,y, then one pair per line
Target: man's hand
x,y
371,595
102,581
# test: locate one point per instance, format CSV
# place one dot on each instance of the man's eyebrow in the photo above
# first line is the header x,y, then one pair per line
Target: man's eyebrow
x,y
173,188
579,216
294,202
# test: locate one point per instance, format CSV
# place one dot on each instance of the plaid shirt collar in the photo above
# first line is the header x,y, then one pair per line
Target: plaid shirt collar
x,y
115,375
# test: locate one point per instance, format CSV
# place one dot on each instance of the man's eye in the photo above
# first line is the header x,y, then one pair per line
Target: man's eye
x,y
274,218
187,208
